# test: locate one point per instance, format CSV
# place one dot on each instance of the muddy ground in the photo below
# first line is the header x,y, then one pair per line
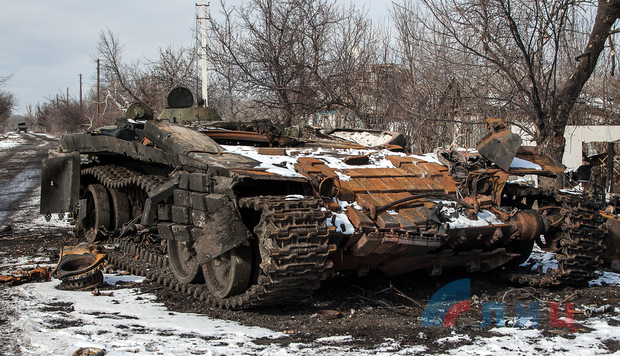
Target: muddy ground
x,y
371,309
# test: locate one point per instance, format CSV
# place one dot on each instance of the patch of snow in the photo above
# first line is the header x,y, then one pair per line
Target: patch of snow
x,y
365,138
485,218
521,163
342,223
335,339
46,135
606,278
453,339
10,140
112,279
541,258
284,165
126,323
27,218
276,164
517,341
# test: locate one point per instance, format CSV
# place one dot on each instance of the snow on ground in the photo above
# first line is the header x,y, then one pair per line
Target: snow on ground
x,y
53,322
10,140
48,321
28,219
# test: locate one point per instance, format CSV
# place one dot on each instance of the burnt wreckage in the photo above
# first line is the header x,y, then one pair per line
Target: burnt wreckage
x,y
243,214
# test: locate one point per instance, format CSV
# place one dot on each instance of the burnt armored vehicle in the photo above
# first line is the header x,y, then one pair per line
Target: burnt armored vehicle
x,y
241,214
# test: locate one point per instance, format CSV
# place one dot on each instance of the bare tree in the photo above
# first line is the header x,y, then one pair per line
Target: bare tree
x,y
295,57
59,115
523,49
147,82
7,102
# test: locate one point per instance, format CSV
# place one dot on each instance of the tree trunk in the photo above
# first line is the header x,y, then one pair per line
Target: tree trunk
x,y
552,132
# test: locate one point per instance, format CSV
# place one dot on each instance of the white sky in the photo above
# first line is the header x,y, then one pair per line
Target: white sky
x,y
45,45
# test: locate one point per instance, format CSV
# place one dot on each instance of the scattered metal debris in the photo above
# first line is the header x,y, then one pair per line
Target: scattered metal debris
x,y
78,267
89,351
328,314
38,274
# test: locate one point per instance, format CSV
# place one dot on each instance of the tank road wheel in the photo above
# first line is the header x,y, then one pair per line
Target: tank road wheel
x,y
230,273
184,265
97,213
120,208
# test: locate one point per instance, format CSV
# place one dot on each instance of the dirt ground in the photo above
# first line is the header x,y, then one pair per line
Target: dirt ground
x,y
371,309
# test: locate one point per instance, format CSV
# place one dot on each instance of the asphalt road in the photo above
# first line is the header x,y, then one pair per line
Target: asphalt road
x,y
20,171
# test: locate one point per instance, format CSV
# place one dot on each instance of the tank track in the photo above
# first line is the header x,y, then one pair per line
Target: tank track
x,y
293,242
577,245
118,177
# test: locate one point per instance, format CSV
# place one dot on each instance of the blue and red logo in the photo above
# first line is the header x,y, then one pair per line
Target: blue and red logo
x,y
453,299
447,304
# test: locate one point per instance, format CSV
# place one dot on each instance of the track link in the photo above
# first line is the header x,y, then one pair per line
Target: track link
x,y
577,244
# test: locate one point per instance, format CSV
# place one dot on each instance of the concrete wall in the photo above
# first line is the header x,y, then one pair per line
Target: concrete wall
x,y
576,135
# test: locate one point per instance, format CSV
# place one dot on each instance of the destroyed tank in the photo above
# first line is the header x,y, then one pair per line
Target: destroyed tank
x,y
242,214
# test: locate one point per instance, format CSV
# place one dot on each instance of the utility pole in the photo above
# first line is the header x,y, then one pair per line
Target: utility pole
x,y
203,51
97,88
80,92
67,96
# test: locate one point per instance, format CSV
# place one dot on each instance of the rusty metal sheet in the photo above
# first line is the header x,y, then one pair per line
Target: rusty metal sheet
x,y
306,169
310,160
500,148
545,163
448,184
377,182
370,172
27,275
399,172
353,173
433,169
394,185
413,215
387,243
405,223
328,172
253,172
381,198
421,185
409,186
346,193
353,186
413,169
366,244
399,160
387,221
367,185
368,201
396,196
357,160
436,187
272,151
359,219
396,160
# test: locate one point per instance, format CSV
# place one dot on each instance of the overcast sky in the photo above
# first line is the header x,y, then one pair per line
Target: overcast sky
x,y
45,45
